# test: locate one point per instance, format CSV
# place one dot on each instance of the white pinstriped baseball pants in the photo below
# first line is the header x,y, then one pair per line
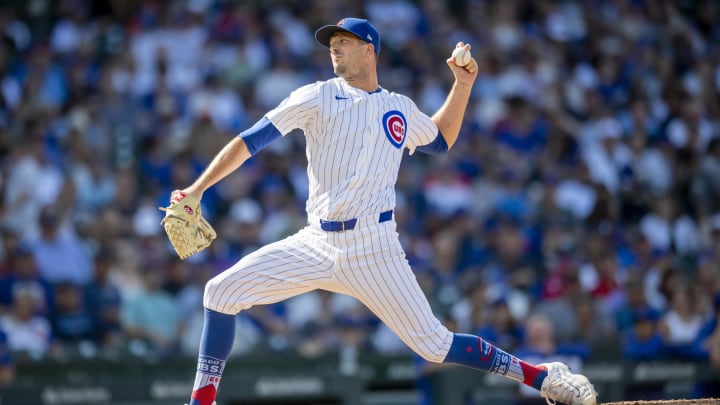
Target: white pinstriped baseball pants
x,y
367,263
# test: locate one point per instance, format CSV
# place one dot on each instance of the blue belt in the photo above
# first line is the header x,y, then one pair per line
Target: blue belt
x,y
341,226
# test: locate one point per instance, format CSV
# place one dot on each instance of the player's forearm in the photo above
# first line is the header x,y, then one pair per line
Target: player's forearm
x,y
232,156
450,116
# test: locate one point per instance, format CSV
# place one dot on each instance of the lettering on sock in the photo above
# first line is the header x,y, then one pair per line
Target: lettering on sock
x,y
502,362
486,349
515,371
210,365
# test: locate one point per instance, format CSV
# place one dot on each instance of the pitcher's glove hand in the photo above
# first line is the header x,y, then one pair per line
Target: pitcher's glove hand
x,y
185,226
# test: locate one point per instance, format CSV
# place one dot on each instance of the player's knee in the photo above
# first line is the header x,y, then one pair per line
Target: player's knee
x,y
429,350
431,345
431,356
211,287
212,297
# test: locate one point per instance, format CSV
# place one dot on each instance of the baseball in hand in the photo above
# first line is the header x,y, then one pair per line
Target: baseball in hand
x,y
461,56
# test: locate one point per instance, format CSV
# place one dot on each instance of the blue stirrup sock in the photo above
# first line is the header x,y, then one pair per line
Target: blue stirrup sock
x,y
217,339
474,351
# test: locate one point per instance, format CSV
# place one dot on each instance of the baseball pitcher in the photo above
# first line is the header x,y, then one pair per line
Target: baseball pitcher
x,y
357,132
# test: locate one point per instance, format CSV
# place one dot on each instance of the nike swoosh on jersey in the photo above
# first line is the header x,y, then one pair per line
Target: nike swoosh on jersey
x,y
340,98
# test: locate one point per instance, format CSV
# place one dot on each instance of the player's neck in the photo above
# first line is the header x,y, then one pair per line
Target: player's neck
x,y
367,82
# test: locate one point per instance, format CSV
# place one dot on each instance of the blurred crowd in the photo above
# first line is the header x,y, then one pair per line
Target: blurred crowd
x,y
578,213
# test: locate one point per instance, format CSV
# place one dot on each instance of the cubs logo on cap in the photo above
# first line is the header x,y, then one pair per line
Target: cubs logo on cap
x,y
395,127
359,27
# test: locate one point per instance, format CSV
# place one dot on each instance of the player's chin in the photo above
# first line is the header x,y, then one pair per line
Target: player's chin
x,y
340,70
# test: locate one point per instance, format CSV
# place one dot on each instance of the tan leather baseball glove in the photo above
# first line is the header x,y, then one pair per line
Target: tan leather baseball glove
x,y
185,226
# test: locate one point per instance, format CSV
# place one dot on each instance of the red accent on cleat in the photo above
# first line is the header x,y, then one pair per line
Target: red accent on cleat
x,y
206,395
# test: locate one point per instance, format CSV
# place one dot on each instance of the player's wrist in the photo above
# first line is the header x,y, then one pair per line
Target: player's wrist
x,y
463,85
194,191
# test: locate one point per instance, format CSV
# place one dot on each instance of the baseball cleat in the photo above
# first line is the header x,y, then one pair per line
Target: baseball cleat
x,y
563,386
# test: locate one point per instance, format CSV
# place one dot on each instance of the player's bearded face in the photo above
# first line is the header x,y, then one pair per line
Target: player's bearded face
x,y
346,53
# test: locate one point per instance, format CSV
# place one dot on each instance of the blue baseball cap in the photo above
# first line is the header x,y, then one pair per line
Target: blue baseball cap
x,y
359,27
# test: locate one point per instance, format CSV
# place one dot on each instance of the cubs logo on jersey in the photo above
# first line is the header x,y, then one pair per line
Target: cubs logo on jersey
x,y
395,127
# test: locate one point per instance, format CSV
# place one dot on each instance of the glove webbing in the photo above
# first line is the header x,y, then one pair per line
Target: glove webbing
x,y
181,240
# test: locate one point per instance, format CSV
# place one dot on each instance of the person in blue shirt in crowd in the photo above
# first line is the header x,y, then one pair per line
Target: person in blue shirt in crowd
x,y
72,321
635,302
643,341
23,272
501,328
103,298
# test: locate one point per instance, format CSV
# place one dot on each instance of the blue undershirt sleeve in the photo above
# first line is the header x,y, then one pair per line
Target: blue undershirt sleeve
x,y
260,135
436,147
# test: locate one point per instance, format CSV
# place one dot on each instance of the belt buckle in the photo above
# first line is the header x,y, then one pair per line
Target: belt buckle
x,y
343,226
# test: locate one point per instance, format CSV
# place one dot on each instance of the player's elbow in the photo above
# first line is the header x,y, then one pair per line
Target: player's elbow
x,y
450,144
450,138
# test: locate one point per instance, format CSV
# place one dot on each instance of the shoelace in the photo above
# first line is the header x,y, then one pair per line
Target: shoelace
x,y
564,394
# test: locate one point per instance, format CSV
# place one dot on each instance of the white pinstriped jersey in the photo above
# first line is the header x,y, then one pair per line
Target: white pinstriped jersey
x,y
355,143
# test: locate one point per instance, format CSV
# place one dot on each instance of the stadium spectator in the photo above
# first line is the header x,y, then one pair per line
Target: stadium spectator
x,y
352,340
33,181
28,334
681,324
500,327
470,311
59,254
667,228
595,329
635,302
23,273
72,322
150,320
104,300
643,341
